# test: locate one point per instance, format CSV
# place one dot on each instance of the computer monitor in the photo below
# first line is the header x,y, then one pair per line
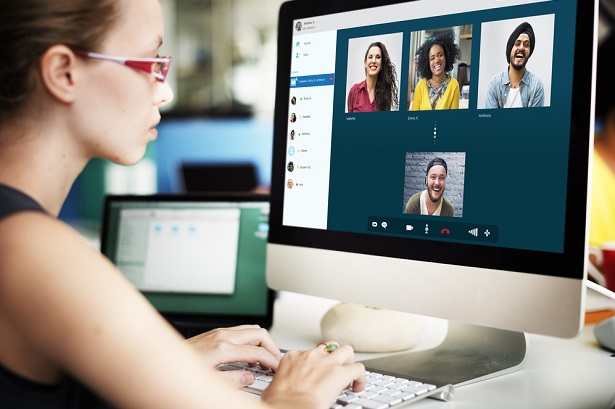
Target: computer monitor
x,y
506,256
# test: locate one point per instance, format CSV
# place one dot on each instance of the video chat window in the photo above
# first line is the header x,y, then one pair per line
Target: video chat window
x,y
434,178
439,68
497,41
435,102
374,59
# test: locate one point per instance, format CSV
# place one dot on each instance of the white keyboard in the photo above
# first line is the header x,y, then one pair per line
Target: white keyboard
x,y
381,391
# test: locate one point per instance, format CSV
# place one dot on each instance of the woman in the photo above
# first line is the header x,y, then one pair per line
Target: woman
x,y
434,61
73,331
378,92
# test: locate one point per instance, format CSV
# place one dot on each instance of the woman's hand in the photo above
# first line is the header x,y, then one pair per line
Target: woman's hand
x,y
316,376
245,343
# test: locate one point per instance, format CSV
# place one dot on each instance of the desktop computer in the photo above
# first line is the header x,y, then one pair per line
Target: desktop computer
x,y
473,213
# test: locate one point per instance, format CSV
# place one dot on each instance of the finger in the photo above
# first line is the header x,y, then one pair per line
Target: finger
x,y
249,354
250,335
239,379
241,335
263,339
357,373
342,355
328,346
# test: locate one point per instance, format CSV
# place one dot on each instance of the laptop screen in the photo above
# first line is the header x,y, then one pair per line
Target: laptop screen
x,y
198,258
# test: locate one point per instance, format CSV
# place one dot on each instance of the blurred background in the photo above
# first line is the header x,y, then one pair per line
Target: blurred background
x,y
224,55
221,120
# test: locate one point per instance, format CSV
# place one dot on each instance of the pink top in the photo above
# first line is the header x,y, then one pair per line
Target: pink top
x,y
358,99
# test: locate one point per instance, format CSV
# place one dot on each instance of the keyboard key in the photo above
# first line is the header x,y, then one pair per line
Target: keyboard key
x,y
418,389
370,404
366,394
344,399
383,382
390,400
405,396
258,386
264,378
391,392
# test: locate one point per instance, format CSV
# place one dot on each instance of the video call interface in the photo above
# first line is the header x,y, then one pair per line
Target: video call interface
x,y
496,167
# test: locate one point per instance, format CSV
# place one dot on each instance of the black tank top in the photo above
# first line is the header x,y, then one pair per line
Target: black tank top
x,y
17,392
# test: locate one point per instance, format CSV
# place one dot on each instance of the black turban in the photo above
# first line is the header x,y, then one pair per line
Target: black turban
x,y
521,29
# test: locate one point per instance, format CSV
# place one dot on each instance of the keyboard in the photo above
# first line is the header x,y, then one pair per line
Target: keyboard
x,y
381,391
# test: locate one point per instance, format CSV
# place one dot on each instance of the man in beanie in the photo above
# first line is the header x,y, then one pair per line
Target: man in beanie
x,y
431,201
516,87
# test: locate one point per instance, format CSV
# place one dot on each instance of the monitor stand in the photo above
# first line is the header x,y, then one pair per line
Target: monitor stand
x,y
468,354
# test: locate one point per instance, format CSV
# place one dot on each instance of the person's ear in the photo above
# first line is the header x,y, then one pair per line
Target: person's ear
x,y
58,72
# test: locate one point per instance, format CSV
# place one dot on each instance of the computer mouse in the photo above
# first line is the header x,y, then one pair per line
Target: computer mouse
x,y
605,333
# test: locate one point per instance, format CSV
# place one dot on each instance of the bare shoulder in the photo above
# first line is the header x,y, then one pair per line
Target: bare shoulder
x,y
74,311
53,283
38,245
40,260
40,256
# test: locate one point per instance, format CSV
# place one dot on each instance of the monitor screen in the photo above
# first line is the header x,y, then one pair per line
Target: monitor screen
x,y
449,188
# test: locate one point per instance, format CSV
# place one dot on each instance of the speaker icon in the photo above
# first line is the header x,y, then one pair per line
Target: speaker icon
x,y
474,232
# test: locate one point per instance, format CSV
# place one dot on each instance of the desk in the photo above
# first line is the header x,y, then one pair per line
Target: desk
x,y
557,373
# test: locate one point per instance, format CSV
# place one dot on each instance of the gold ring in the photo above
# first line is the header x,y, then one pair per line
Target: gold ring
x,y
330,346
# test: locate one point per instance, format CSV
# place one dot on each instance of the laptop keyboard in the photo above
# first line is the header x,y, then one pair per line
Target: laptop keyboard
x,y
381,391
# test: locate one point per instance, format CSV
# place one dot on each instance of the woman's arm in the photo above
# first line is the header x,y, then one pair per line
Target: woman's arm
x,y
71,306
419,93
74,307
452,95
351,98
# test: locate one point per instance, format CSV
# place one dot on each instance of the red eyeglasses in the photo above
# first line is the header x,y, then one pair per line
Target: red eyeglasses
x,y
157,66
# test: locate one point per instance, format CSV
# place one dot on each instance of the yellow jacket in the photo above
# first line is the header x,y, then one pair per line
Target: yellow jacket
x,y
450,99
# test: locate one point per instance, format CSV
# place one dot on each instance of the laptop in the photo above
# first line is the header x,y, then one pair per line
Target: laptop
x,y
199,258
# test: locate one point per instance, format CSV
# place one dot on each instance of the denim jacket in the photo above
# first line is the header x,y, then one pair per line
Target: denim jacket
x,y
531,90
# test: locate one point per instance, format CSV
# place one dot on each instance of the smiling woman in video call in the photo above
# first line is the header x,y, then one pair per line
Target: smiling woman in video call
x,y
73,331
378,92
435,60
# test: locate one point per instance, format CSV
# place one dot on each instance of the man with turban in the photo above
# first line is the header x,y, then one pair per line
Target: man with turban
x,y
516,87
431,201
